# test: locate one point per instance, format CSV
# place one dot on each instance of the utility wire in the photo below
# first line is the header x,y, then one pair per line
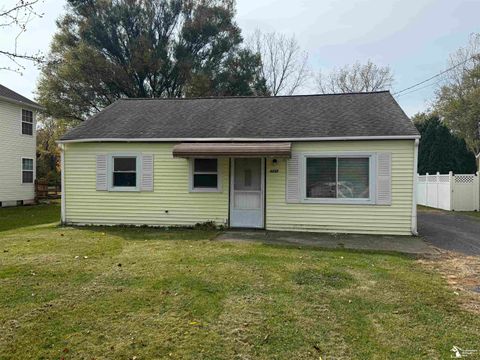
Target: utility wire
x,y
435,76
418,89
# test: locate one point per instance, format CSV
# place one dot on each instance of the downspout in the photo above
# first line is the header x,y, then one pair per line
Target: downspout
x,y
62,177
414,195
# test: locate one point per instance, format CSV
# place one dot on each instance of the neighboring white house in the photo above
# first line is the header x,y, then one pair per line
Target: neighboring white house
x,y
17,148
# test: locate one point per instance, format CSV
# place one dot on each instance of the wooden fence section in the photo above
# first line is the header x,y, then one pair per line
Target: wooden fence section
x,y
458,192
45,191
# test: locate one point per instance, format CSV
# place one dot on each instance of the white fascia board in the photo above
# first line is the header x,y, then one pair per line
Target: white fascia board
x,y
337,138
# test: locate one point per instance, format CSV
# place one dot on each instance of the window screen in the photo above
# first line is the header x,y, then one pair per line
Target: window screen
x,y
205,173
125,171
338,177
27,171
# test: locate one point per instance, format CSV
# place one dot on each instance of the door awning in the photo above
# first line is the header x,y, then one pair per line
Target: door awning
x,y
274,149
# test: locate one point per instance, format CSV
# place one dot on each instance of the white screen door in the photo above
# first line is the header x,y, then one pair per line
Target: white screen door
x,y
246,202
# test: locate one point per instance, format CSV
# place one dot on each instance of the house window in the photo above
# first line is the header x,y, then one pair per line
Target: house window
x,y
204,175
338,178
124,172
27,122
27,171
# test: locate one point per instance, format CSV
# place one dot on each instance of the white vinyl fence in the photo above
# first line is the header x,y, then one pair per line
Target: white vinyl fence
x,y
458,192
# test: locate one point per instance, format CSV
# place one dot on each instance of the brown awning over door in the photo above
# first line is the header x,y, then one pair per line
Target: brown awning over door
x,y
253,149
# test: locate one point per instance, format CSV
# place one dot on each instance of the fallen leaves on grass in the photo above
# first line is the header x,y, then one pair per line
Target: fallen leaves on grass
x,y
461,273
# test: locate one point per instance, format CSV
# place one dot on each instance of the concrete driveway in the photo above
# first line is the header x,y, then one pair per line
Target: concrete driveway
x,y
413,245
450,231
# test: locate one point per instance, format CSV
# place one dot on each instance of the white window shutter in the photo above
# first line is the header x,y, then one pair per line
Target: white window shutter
x,y
292,191
102,172
146,183
384,179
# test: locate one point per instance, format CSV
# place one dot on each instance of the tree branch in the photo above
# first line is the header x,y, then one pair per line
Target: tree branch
x,y
284,65
19,16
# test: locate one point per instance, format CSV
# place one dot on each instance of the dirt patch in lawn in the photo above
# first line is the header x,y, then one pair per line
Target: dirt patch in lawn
x,y
462,273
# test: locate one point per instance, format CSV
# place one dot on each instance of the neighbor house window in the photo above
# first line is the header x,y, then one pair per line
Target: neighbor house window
x,y
337,177
205,175
124,172
27,171
27,122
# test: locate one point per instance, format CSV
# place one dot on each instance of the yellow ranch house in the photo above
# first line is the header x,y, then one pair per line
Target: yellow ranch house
x,y
338,163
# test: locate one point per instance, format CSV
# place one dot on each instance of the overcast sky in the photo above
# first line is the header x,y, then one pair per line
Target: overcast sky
x,y
413,37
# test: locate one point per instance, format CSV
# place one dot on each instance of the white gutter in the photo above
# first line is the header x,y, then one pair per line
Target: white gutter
x,y
334,138
414,195
62,169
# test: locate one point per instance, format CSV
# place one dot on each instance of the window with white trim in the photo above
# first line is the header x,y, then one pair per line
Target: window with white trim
x,y
204,175
27,171
27,122
124,174
338,178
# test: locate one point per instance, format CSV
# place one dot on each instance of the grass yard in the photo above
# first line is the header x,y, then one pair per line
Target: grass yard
x,y
24,216
113,293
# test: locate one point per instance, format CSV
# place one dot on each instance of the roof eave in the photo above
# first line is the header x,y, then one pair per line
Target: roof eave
x,y
335,138
22,103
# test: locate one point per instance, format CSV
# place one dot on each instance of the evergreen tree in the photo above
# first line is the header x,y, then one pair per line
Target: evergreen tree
x,y
440,150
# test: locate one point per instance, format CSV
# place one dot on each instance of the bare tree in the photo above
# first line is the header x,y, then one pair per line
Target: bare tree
x,y
17,17
458,96
462,62
355,78
284,64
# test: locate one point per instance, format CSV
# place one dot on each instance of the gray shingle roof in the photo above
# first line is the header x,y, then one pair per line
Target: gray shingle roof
x,y
16,97
307,116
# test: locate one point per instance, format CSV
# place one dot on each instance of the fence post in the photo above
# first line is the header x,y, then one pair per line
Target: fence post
x,y
426,189
478,191
451,191
437,181
35,187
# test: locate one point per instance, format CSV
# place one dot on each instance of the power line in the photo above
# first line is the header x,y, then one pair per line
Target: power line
x,y
418,89
435,76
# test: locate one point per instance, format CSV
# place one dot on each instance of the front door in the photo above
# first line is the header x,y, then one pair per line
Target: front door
x,y
247,192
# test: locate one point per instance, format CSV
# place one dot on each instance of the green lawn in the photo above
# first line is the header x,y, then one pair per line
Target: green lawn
x,y
24,216
123,293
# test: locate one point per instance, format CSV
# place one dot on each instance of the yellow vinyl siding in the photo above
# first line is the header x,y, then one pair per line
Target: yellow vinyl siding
x,y
368,219
86,205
